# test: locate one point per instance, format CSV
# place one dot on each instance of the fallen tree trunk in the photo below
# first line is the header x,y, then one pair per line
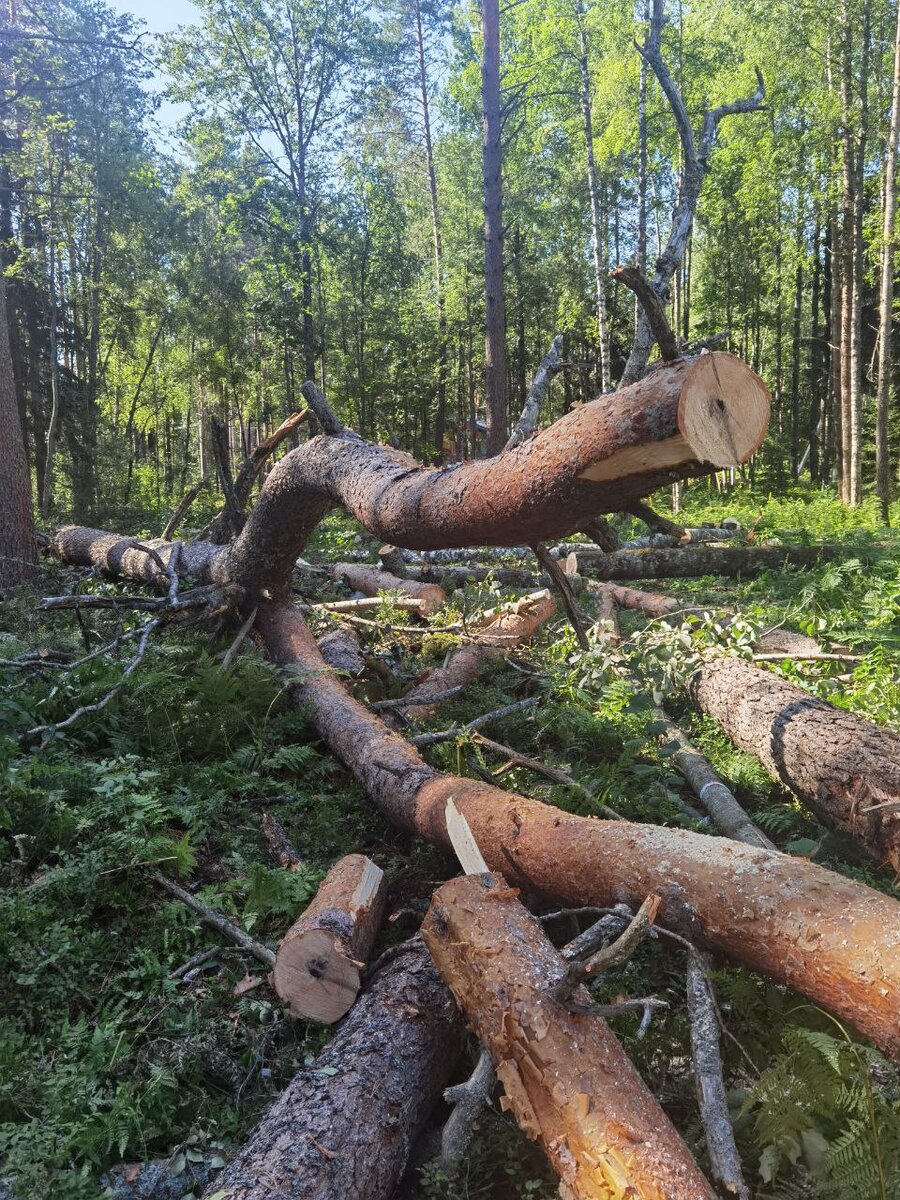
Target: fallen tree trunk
x,y
371,581
834,940
343,1128
505,630
566,1078
682,563
683,420
318,960
845,768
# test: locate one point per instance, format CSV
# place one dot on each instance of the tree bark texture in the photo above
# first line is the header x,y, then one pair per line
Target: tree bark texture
x,y
318,960
566,1078
685,419
833,939
343,1128
18,548
845,768
371,581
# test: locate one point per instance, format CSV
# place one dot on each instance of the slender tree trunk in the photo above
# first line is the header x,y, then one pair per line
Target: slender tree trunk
x,y
795,364
440,420
856,331
600,267
495,381
886,296
17,544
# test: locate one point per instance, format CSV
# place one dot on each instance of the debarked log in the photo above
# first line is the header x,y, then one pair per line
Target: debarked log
x,y
566,1078
318,961
343,1128
371,581
847,769
834,940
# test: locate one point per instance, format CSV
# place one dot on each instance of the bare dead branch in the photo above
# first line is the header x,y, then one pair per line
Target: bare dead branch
x,y
183,505
232,652
550,365
654,310
564,587
215,920
455,731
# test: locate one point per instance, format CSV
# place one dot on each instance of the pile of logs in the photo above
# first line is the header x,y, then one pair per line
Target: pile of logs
x,y
346,1124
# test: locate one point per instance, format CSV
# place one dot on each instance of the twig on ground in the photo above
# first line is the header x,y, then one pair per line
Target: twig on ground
x,y
724,1160
555,774
455,731
405,701
216,920
410,603
469,1100
611,955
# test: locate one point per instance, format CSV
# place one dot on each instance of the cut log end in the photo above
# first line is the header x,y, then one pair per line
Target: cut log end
x,y
723,412
314,974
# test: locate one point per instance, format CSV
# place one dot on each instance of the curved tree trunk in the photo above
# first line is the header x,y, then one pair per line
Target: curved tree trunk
x,y
685,419
343,1128
568,1081
832,939
845,768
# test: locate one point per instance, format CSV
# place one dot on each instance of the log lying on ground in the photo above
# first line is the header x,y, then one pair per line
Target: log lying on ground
x,y
566,1078
683,420
318,960
343,1128
370,581
834,940
683,563
504,630
846,768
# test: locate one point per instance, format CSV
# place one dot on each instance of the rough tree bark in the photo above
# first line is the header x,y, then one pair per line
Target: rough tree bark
x,y
834,940
318,960
370,581
505,631
845,768
343,1128
18,549
566,1078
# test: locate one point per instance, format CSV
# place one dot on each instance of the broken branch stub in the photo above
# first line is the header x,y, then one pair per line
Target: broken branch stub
x,y
566,1078
317,966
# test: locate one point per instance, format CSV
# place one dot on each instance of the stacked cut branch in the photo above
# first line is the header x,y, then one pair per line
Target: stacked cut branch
x,y
371,582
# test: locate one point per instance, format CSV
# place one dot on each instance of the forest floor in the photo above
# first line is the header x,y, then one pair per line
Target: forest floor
x,y
106,1058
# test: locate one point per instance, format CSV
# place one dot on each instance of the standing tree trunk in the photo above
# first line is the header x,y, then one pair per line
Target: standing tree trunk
x,y
17,545
593,189
440,419
495,380
886,297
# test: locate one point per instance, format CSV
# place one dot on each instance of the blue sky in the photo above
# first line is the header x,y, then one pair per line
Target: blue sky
x,y
161,16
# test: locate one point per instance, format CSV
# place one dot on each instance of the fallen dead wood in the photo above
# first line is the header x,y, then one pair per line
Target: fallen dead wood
x,y
341,650
504,630
846,768
834,940
216,920
678,562
319,959
565,1076
343,1128
372,581
280,845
